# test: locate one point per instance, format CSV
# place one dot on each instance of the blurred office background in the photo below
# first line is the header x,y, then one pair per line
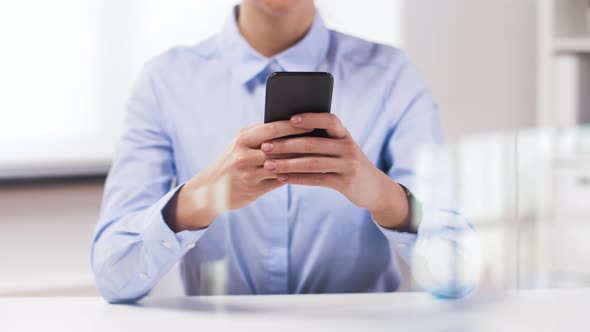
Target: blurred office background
x,y
512,79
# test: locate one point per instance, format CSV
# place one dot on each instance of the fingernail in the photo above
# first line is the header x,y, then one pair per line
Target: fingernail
x,y
267,147
283,178
270,164
296,119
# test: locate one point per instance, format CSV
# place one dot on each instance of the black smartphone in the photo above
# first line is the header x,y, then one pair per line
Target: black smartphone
x,y
292,93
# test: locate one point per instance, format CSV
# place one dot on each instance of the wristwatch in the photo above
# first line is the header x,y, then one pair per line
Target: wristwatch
x,y
415,212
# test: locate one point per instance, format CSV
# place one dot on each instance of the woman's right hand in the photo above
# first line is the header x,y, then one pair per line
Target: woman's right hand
x,y
237,179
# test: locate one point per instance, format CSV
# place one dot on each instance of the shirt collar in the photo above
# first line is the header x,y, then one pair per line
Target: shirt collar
x,y
246,63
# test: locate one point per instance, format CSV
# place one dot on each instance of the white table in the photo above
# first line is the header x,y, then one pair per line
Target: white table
x,y
563,310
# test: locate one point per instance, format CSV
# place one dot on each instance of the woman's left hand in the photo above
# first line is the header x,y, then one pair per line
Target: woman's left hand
x,y
338,163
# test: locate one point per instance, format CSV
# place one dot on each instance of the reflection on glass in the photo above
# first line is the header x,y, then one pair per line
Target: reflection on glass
x,y
556,177
524,192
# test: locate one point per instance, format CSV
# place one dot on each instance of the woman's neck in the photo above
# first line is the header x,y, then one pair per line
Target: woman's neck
x,y
271,34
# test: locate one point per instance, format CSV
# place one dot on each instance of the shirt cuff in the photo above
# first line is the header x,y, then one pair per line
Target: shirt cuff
x,y
402,242
159,235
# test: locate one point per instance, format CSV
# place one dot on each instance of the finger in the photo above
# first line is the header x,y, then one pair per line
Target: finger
x,y
283,156
327,121
255,135
306,165
305,145
250,158
261,174
328,180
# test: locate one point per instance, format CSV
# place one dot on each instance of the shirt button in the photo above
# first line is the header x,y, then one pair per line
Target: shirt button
x,y
402,245
166,244
190,246
143,276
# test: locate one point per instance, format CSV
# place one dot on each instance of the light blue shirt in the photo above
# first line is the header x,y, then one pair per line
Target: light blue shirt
x,y
187,107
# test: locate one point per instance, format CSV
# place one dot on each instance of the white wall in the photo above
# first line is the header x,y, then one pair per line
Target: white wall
x,y
479,57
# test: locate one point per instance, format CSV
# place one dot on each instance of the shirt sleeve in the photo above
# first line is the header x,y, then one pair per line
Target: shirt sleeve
x,y
443,254
133,246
